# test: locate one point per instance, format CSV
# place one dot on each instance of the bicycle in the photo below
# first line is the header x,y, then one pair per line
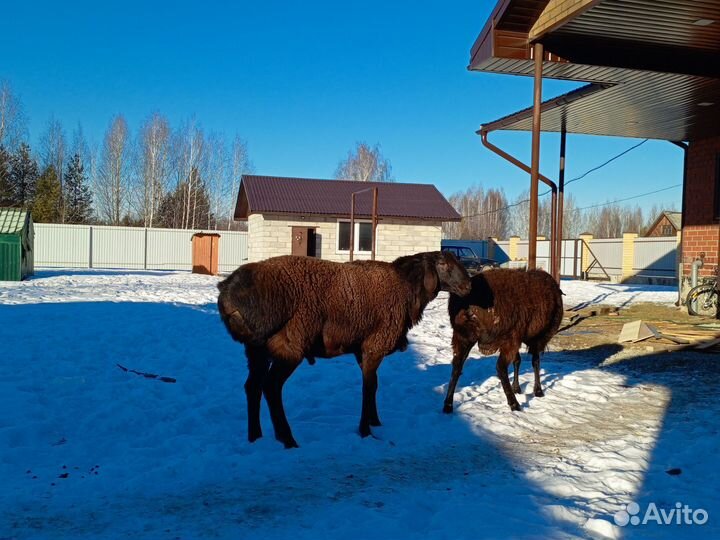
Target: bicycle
x,y
703,298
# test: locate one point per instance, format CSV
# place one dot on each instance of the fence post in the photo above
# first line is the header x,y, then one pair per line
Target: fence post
x,y
513,247
585,258
90,248
628,257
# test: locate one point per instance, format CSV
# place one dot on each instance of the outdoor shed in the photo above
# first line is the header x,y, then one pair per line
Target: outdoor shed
x,y
16,244
312,217
205,250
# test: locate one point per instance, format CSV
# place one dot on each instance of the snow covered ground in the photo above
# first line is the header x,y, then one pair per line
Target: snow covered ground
x,y
90,451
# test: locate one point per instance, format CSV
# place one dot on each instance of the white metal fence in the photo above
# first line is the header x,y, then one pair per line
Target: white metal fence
x,y
653,258
100,246
609,254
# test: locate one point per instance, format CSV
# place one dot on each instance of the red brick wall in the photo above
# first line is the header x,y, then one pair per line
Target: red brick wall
x,y
700,231
700,239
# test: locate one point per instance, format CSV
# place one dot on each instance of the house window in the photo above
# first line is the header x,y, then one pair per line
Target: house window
x,y
667,230
363,237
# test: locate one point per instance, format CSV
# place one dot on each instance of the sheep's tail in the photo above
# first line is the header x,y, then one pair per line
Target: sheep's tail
x,y
231,312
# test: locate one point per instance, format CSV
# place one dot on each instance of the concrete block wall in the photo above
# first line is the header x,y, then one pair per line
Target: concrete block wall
x,y
270,236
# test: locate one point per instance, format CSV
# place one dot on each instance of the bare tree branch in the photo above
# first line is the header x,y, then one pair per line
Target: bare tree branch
x,y
365,164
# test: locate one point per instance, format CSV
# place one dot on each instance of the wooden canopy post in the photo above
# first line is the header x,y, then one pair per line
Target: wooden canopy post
x,y
374,221
535,159
352,226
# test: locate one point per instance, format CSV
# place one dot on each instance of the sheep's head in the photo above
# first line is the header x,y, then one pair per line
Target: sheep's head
x,y
433,271
452,275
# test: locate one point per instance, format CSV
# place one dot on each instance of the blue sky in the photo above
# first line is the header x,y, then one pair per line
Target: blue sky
x,y
301,82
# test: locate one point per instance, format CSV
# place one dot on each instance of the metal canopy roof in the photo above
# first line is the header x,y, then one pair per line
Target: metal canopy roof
x,y
655,65
647,105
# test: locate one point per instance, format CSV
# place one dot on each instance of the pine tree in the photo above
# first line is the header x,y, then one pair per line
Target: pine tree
x,y
77,195
46,207
23,177
6,195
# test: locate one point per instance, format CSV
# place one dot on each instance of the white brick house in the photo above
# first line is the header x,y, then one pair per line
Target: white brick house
x,y
307,216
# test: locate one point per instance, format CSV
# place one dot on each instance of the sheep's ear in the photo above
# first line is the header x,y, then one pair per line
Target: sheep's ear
x,y
430,282
442,268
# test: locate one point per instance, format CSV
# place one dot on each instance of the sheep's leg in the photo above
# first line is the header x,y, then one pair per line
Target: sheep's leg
x,y
373,418
258,362
502,372
537,389
461,349
369,415
279,372
516,374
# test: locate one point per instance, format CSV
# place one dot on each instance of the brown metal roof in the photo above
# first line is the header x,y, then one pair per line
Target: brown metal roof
x,y
280,195
658,69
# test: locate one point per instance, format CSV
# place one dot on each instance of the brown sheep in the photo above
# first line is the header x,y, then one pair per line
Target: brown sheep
x,y
504,309
288,308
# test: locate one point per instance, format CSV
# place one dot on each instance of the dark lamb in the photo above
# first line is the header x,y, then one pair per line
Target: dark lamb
x,y
288,308
505,309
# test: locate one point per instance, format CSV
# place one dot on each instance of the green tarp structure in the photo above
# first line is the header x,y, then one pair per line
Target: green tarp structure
x,y
16,244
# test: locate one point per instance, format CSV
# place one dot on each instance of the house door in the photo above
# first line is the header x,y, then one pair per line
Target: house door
x,y
300,241
303,241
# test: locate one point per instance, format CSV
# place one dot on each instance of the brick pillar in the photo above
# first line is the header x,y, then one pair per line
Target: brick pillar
x,y
628,257
513,247
678,252
585,263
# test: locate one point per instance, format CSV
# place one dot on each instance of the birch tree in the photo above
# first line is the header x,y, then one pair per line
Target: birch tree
x,y
365,164
154,167
240,165
217,175
188,156
52,154
484,214
112,184
13,128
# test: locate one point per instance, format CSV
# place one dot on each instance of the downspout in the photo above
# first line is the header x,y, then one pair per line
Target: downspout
x,y
681,266
553,187
697,264
561,196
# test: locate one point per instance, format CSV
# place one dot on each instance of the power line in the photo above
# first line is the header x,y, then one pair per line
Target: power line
x,y
583,175
630,198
